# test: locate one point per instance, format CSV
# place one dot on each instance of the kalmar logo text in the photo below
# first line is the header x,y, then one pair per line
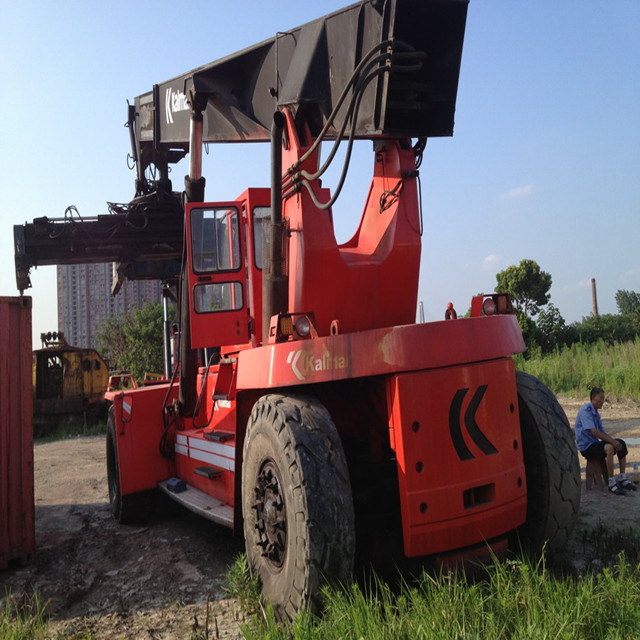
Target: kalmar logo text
x,y
304,365
174,101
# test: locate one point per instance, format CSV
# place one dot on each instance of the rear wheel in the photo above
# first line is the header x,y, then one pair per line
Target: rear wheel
x,y
551,465
297,504
128,509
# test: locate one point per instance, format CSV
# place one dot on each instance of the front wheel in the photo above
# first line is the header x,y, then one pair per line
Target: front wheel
x,y
297,505
551,466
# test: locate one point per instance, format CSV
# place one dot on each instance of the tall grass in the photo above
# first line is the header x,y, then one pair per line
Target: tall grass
x,y
22,619
519,600
25,618
576,369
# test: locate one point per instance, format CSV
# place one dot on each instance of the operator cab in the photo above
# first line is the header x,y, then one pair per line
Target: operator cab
x,y
224,248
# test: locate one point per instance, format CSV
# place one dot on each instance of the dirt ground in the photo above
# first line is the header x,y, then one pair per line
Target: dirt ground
x,y
601,511
158,582
165,581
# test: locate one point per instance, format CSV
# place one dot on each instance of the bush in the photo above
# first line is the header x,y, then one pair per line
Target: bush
x,y
609,328
576,369
134,342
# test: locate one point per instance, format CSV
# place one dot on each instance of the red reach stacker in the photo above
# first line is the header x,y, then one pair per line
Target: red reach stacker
x,y
306,409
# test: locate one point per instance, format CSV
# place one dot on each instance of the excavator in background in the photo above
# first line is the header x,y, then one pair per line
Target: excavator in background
x,y
69,384
308,411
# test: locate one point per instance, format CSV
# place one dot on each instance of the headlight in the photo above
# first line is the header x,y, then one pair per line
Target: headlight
x,y
489,307
303,326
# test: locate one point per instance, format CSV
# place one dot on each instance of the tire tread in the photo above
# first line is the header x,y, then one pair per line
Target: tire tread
x,y
552,467
324,524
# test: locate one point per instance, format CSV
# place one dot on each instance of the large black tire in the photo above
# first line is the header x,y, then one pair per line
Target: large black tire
x,y
551,466
296,496
133,508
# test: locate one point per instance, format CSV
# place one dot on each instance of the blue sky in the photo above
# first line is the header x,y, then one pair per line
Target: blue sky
x,y
544,163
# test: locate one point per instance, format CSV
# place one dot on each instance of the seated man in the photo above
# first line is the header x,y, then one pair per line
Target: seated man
x,y
594,443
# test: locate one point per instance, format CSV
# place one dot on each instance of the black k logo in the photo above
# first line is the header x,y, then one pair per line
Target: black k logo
x,y
455,411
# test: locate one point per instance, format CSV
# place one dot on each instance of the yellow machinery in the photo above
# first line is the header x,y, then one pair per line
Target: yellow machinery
x,y
69,385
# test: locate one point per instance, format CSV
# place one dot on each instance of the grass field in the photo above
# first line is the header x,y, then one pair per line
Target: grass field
x,y
517,600
575,370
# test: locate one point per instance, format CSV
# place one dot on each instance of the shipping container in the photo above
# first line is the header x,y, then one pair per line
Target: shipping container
x,y
17,509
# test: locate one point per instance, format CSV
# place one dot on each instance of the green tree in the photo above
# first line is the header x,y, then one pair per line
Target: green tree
x,y
530,333
627,301
608,327
528,285
133,342
553,329
112,341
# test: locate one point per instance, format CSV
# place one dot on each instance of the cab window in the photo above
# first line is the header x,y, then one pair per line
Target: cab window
x,y
259,215
215,240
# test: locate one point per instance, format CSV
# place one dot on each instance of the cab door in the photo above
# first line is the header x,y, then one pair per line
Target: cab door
x,y
217,274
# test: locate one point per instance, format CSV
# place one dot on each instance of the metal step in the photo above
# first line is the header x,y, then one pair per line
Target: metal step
x,y
218,436
202,504
211,473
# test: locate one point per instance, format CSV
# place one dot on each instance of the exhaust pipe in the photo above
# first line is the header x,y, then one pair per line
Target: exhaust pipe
x,y
274,282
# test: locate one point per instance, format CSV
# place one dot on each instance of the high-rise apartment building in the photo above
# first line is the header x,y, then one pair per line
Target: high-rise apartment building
x,y
85,300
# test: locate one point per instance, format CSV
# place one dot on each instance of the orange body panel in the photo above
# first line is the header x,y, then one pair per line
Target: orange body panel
x,y
459,453
139,427
379,352
371,281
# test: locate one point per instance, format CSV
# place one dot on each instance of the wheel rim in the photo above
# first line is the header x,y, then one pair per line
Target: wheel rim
x,y
271,515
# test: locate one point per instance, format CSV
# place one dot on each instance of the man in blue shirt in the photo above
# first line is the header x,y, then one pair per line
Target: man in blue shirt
x,y
594,443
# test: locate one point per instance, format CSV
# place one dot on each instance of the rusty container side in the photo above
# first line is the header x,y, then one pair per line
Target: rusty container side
x,y
17,509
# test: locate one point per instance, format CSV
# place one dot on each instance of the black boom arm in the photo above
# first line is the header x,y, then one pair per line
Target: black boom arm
x,y
378,68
